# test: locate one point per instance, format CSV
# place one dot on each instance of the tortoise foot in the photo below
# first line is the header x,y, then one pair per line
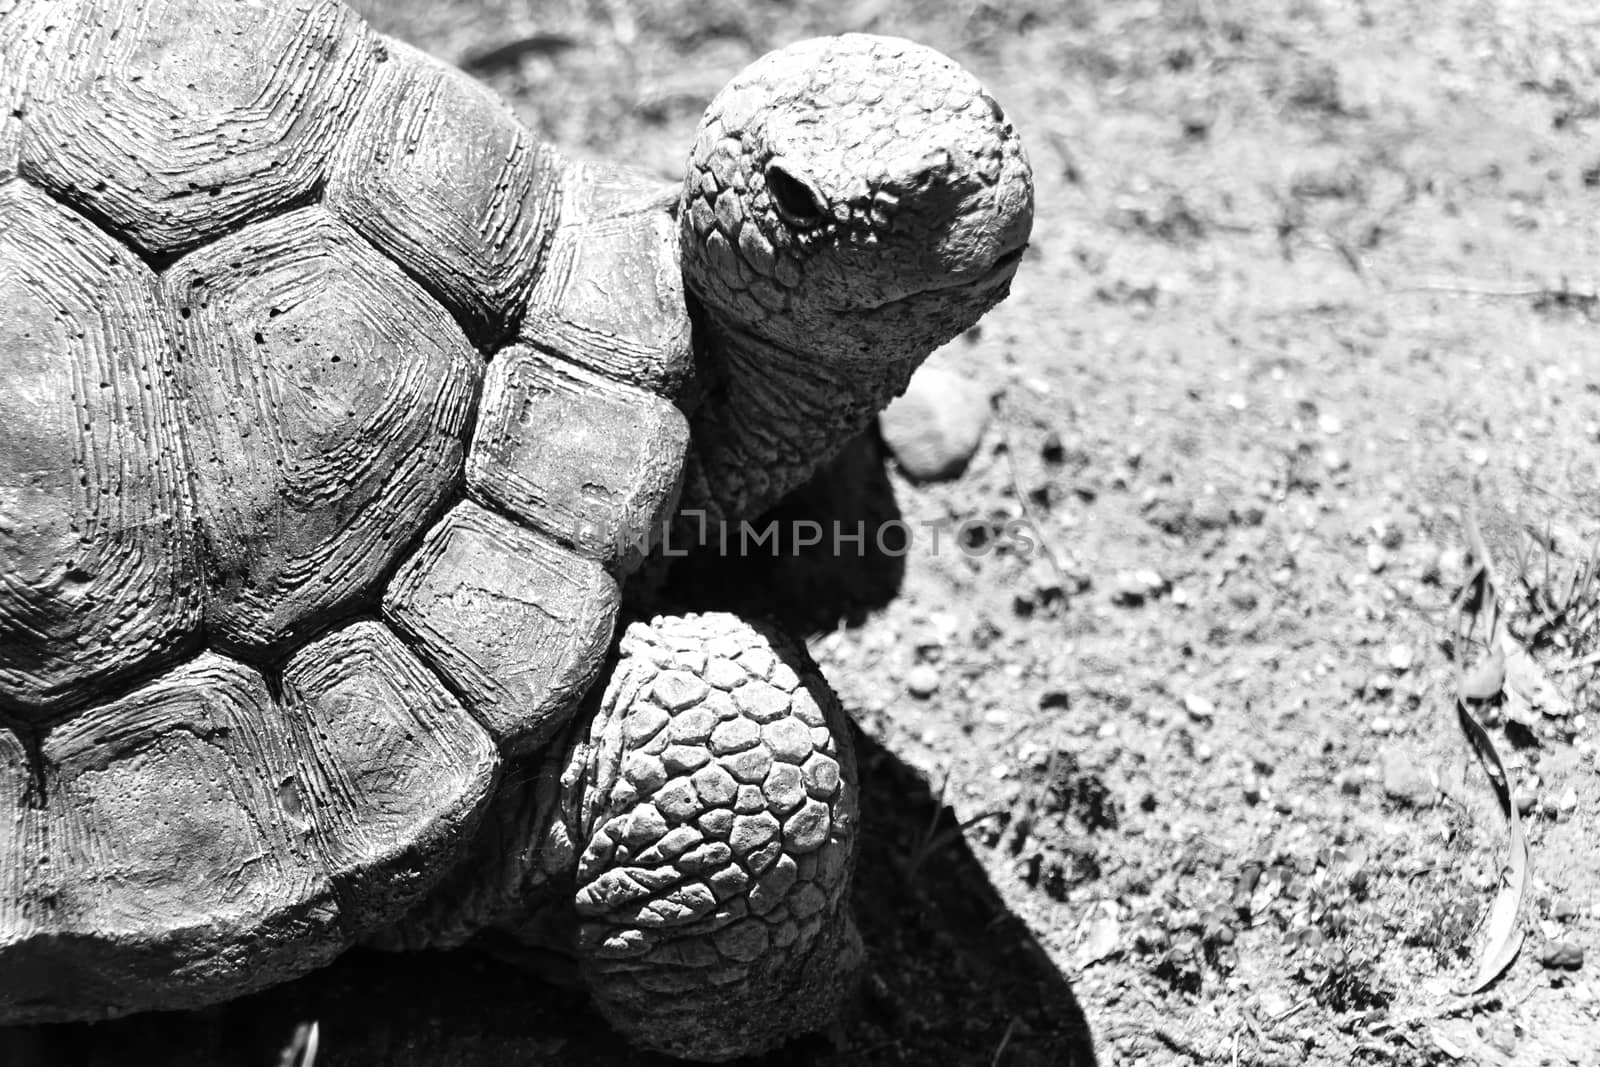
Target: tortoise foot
x,y
719,804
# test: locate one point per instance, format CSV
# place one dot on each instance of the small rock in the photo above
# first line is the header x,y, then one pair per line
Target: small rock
x,y
922,681
1048,586
936,426
1562,956
1504,1038
1129,592
1401,658
1168,515
1153,582
1272,1004
1525,800
1564,910
1211,512
1377,557
1404,780
1101,942
1199,708
1431,572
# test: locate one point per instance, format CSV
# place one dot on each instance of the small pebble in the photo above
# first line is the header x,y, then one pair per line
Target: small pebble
x,y
936,426
1401,658
1405,780
1133,588
1504,1038
1388,535
1199,708
1127,593
922,681
1562,956
1211,512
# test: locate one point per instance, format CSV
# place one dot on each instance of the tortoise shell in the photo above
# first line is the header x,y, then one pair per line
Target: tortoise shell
x,y
336,408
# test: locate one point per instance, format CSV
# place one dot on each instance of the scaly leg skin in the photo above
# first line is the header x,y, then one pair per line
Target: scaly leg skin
x,y
714,802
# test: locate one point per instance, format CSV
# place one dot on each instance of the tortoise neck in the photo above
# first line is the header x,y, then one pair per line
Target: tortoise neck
x,y
768,416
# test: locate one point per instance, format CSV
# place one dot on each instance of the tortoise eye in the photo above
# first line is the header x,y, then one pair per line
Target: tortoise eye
x,y
797,202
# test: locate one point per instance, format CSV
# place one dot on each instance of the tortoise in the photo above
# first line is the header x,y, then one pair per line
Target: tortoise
x,y
339,415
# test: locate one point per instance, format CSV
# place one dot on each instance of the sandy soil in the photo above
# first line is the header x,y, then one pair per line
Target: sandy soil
x,y
1309,280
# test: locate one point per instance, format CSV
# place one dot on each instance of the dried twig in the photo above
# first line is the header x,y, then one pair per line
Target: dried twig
x,y
1562,291
302,1048
1000,412
1005,1039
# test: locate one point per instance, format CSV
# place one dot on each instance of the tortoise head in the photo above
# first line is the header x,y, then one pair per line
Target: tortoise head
x,y
857,197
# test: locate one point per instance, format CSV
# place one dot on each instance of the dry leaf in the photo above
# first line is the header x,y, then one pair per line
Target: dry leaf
x,y
1504,938
1484,682
1527,679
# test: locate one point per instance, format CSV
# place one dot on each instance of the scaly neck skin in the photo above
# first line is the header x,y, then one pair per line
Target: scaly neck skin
x,y
768,417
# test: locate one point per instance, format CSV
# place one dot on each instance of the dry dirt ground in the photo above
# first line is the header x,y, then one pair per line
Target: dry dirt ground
x,y
1309,280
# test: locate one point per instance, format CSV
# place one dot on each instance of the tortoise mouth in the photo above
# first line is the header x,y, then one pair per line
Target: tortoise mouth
x,y
996,275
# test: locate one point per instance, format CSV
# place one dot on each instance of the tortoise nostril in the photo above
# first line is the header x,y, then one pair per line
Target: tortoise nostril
x,y
797,202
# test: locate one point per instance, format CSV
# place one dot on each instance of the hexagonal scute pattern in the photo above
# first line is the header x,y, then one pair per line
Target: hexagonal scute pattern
x,y
610,296
98,575
606,483
175,121
163,814
326,403
201,838
33,38
439,174
517,624
393,771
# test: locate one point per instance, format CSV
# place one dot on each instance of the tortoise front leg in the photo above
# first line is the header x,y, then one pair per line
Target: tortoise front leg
x,y
715,810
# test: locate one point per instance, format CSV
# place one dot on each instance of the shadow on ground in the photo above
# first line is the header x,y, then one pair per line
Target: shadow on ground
x,y
953,977
812,589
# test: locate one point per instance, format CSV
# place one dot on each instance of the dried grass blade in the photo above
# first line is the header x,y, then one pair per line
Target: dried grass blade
x,y
1505,936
